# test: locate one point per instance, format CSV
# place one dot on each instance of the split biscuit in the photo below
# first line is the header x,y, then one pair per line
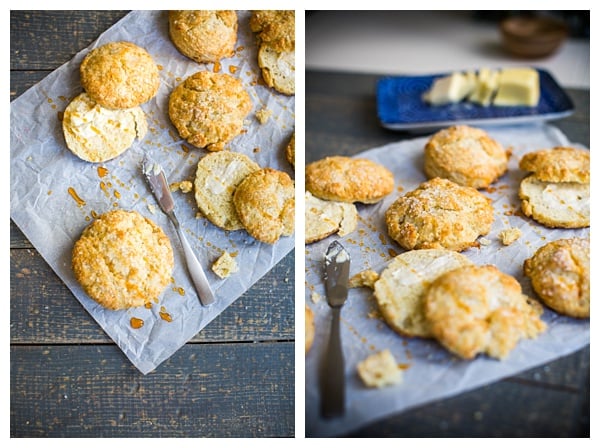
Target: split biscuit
x,y
324,218
217,176
560,164
479,309
465,155
309,328
208,109
560,275
119,75
97,134
204,36
123,260
400,290
346,179
278,69
265,204
439,214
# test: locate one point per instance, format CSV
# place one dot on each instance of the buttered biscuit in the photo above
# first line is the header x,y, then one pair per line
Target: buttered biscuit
x,y
265,204
560,275
401,286
217,176
123,260
439,214
465,155
208,109
560,164
345,179
324,218
119,75
97,134
204,36
479,309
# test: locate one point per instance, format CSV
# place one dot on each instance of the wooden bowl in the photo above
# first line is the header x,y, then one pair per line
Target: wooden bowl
x,y
532,37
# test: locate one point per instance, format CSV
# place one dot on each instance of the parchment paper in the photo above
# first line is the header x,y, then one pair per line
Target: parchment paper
x,y
43,169
433,373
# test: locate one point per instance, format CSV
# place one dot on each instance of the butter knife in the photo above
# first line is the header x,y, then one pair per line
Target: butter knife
x,y
157,180
337,268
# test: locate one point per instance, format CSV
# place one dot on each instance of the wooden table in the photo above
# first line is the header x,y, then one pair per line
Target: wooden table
x,y
549,401
68,379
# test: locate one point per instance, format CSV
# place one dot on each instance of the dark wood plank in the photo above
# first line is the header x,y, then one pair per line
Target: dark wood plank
x,y
204,390
43,310
44,40
20,81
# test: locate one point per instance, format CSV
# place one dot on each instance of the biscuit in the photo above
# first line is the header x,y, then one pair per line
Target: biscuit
x,y
217,176
465,155
379,370
556,204
278,69
265,204
225,265
208,109
324,218
309,328
560,275
204,36
401,286
290,150
119,75
123,260
560,164
479,309
345,179
439,214
97,134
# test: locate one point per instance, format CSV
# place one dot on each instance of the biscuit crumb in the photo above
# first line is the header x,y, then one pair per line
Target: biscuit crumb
x,y
151,208
484,241
379,370
509,236
183,186
263,115
366,278
225,265
315,297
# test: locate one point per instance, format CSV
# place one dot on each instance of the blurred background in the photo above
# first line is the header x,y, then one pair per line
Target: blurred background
x,y
430,42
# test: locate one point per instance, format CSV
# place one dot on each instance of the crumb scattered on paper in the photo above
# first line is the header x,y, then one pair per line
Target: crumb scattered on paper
x,y
509,236
315,297
484,241
225,265
184,186
379,370
366,278
263,115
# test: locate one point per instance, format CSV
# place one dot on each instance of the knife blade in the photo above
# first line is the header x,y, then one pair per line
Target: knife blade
x,y
337,269
157,180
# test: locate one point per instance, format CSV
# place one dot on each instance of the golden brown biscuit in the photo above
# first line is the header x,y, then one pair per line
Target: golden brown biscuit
x,y
440,214
556,204
97,134
123,260
265,204
309,328
119,75
324,218
465,155
560,164
401,287
290,150
479,309
560,275
208,109
345,179
217,176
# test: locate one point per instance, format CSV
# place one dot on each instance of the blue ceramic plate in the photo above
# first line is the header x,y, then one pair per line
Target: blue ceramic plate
x,y
400,105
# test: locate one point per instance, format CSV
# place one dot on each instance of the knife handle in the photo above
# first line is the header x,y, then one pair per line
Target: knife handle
x,y
196,272
333,381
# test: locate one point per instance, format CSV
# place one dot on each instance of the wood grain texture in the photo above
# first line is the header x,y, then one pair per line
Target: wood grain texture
x,y
204,390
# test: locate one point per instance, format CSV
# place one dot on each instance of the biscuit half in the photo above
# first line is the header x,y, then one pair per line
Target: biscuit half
x,y
401,286
97,134
479,309
217,177
278,69
324,218
559,164
560,275
123,260
346,179
265,204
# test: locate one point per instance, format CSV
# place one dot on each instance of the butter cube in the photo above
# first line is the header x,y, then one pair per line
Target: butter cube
x,y
450,89
487,83
518,87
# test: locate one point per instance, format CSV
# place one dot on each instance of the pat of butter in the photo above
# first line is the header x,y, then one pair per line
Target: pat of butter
x,y
518,87
487,83
450,89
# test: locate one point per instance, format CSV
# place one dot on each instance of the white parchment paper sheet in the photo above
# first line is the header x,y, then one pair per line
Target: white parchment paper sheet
x,y
433,373
43,169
